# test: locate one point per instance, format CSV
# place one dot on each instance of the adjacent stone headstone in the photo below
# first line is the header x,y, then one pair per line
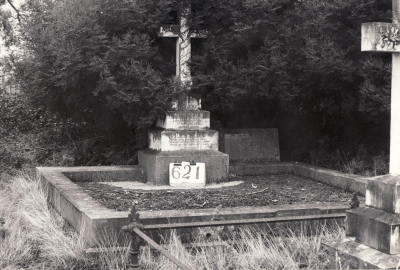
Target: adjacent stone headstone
x,y
184,134
376,227
250,144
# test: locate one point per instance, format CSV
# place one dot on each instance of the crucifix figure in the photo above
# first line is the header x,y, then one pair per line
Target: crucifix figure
x,y
386,37
183,54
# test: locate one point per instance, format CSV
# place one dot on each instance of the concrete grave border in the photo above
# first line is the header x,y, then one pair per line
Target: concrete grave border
x,y
93,220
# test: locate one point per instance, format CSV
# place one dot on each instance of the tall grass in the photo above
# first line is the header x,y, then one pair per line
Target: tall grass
x,y
36,235
38,238
250,247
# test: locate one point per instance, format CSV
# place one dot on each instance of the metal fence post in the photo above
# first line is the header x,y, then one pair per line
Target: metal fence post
x,y
133,222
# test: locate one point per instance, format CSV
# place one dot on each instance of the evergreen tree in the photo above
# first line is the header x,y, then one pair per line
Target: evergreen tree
x,y
100,61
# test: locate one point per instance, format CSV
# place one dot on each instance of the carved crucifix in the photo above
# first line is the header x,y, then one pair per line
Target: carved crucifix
x,y
386,37
183,33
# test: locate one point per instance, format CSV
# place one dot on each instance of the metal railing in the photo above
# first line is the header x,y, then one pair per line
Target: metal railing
x,y
134,228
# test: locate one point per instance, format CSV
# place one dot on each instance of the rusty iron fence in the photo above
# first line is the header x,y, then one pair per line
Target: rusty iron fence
x,y
135,229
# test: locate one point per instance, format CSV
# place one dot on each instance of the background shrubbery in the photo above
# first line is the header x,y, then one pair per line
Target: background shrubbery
x,y
95,76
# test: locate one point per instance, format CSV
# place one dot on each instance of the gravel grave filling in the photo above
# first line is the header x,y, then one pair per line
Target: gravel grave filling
x,y
255,191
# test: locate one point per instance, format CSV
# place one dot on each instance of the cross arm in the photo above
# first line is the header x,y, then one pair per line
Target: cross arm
x,y
376,36
171,30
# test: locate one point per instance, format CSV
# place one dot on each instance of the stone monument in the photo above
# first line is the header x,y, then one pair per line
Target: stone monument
x,y
373,232
184,134
250,144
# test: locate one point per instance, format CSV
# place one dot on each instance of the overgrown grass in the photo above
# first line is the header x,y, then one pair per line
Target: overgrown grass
x,y
250,247
38,238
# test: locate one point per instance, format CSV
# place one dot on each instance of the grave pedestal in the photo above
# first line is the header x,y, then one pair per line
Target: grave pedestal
x,y
184,135
157,162
374,229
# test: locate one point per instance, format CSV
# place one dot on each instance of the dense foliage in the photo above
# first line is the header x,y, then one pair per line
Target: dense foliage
x,y
295,65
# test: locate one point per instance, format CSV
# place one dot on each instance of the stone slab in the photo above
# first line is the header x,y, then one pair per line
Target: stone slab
x,y
157,164
375,228
176,140
348,254
250,144
383,192
185,120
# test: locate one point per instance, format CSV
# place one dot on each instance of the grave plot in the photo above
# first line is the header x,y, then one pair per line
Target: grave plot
x,y
93,220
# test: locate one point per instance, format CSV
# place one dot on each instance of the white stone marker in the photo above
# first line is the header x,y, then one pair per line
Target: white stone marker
x,y
187,175
386,37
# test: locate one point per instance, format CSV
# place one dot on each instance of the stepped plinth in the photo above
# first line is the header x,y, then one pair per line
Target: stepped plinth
x,y
373,229
184,135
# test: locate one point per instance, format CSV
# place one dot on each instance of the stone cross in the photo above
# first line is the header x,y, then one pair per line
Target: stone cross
x,y
183,54
386,37
184,135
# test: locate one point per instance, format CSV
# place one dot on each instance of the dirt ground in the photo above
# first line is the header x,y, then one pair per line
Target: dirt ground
x,y
255,191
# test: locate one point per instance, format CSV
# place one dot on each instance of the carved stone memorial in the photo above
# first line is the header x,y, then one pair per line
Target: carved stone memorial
x,y
184,134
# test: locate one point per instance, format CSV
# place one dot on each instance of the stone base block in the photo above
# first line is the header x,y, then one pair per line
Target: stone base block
x,y
175,140
375,228
348,254
157,164
383,192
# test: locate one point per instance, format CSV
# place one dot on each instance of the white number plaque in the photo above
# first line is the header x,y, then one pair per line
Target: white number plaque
x,y
186,174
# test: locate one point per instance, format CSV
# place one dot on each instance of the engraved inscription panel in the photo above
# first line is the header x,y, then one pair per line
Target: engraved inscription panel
x,y
185,120
190,142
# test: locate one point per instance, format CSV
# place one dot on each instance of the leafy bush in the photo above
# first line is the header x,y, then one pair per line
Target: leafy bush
x,y
100,65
